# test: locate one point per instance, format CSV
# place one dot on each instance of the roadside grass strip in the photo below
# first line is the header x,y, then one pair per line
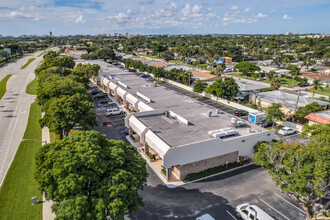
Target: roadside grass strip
x,y
19,185
42,53
32,87
28,62
3,85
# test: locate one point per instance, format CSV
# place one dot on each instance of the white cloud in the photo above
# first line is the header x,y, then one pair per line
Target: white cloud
x,y
286,17
196,9
246,10
80,19
234,8
260,15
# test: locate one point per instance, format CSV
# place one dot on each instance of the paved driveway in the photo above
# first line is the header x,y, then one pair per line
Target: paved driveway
x,y
217,196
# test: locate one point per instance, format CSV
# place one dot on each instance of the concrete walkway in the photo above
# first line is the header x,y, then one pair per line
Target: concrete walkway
x,y
46,208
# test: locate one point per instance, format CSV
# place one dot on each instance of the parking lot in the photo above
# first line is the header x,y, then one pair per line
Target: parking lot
x,y
217,196
111,126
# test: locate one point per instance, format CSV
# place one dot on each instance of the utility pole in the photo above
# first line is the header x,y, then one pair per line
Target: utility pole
x,y
295,108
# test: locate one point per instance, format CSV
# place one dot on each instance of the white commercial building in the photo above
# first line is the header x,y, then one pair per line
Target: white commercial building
x,y
177,128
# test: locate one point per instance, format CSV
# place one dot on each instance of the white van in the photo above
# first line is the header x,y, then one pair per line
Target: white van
x,y
248,212
114,111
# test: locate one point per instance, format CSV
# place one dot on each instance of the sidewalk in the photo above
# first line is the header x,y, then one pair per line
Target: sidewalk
x,y
156,167
46,207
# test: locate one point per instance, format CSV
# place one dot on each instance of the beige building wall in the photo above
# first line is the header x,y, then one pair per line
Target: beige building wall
x,y
265,104
202,165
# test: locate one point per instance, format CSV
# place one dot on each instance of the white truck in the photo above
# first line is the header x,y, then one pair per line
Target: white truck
x,y
114,111
251,212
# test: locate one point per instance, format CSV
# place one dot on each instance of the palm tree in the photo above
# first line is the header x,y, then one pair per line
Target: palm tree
x,y
275,83
316,85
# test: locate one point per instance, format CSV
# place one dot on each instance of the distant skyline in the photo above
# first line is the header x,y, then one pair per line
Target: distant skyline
x,y
68,17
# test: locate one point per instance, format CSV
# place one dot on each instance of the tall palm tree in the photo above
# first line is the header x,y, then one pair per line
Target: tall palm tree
x,y
275,83
316,85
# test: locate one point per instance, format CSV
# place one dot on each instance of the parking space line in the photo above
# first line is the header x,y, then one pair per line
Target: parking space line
x,y
231,215
274,209
290,203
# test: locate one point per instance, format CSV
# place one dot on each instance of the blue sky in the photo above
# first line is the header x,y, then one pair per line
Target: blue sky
x,y
64,17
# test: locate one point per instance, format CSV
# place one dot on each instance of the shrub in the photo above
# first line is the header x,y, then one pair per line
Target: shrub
x,y
254,106
267,89
258,144
164,172
210,171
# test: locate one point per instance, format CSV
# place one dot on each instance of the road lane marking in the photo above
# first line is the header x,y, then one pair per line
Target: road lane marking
x,y
290,203
275,209
231,215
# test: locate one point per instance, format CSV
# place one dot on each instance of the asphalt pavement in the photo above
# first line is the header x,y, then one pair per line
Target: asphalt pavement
x,y
14,109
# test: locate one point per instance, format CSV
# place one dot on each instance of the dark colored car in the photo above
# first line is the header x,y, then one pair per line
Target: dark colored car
x,y
265,124
303,84
144,76
94,92
99,96
240,112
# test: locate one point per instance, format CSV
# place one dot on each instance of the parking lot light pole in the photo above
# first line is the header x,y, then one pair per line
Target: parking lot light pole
x,y
45,142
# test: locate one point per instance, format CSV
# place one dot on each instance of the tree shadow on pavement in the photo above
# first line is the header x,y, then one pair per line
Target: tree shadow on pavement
x,y
180,203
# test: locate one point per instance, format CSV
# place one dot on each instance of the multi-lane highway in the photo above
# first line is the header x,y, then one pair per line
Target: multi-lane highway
x,y
14,109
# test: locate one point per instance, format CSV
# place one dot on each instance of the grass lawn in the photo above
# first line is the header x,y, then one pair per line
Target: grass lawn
x,y
42,53
177,61
150,56
284,81
19,185
325,91
3,85
28,62
32,87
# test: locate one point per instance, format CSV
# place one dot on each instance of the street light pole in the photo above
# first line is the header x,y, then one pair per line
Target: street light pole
x,y
45,142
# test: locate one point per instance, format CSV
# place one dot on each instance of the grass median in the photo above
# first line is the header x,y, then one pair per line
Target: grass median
x,y
32,87
42,53
28,62
3,85
19,185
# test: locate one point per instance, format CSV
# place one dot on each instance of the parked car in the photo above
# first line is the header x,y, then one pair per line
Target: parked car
x,y
114,111
303,84
240,112
248,212
94,92
265,124
286,131
151,79
144,76
99,96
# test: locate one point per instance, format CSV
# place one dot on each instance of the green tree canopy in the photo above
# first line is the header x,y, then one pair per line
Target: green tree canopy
x,y
57,86
198,86
64,113
106,53
223,88
318,133
90,177
302,172
274,113
84,72
247,68
275,83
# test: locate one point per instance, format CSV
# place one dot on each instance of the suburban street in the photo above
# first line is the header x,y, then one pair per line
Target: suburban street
x,y
14,109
